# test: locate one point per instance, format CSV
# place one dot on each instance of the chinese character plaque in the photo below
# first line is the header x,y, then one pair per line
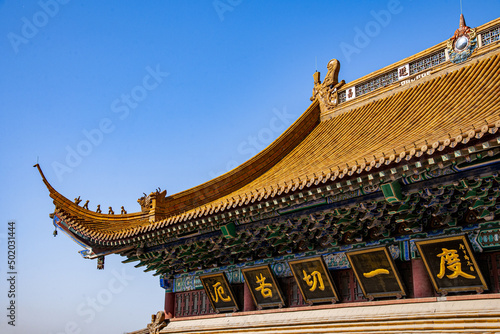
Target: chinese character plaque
x,y
263,287
314,280
451,264
219,292
376,273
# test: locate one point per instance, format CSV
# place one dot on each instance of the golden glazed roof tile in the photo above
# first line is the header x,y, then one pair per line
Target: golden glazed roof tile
x,y
381,130
446,108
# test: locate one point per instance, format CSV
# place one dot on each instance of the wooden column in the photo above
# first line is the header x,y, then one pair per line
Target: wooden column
x,y
248,304
422,285
169,305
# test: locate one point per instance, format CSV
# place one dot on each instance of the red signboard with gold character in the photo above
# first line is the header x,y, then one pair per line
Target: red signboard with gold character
x,y
314,280
263,287
376,273
219,292
451,264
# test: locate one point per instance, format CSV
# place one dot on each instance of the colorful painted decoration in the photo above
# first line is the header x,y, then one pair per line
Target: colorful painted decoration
x,y
451,264
219,292
376,273
489,239
314,280
263,287
463,43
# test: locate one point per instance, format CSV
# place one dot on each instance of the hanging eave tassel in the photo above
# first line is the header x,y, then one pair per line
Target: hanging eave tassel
x,y
100,263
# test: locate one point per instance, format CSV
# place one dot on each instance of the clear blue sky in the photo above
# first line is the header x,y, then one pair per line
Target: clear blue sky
x,y
171,93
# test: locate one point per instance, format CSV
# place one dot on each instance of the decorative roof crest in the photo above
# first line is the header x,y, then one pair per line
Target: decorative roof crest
x,y
158,322
327,91
152,200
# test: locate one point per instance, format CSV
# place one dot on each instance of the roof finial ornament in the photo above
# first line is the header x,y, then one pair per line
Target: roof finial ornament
x,y
462,24
123,211
463,42
77,200
86,205
110,211
98,210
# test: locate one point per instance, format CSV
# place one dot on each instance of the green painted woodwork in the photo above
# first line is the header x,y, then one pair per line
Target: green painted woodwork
x,y
436,207
131,259
228,230
392,192
402,208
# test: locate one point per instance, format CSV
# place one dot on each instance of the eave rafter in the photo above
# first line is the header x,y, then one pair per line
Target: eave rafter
x,y
480,146
323,187
450,201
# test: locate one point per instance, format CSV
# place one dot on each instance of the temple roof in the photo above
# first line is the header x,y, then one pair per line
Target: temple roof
x,y
437,109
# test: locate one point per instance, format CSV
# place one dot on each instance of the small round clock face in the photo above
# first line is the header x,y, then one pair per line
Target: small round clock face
x,y
461,43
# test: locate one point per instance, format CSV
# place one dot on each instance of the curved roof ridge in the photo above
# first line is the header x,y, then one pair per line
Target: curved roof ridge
x,y
248,171
72,208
